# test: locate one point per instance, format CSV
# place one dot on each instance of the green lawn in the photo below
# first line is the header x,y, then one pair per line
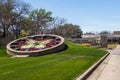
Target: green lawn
x,y
65,65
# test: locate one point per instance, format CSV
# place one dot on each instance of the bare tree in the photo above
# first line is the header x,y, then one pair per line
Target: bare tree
x,y
68,31
57,22
89,33
11,14
105,32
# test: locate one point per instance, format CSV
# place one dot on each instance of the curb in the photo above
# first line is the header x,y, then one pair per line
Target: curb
x,y
90,70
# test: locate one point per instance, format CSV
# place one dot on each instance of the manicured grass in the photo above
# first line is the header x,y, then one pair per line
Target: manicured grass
x,y
65,65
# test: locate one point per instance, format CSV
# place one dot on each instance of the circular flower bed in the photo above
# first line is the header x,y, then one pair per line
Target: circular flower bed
x,y
36,45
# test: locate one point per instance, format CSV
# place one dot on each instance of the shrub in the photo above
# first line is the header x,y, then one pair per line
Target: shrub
x,y
111,46
86,44
23,34
119,41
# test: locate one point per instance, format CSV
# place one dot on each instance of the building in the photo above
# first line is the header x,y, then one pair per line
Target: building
x,y
116,32
102,40
113,38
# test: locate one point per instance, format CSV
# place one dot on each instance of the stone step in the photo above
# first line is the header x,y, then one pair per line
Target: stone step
x,y
17,56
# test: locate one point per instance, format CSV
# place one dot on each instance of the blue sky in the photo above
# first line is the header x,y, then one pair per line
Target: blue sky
x,y
91,15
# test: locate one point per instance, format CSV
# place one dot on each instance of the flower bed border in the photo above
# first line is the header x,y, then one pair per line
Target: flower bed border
x,y
45,51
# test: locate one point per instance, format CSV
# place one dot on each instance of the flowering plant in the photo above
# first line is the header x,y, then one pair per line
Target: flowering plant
x,y
35,44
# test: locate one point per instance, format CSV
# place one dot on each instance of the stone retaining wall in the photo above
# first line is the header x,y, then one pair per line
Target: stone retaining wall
x,y
53,49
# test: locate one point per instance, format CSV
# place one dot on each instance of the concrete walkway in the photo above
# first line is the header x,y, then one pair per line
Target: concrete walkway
x,y
110,68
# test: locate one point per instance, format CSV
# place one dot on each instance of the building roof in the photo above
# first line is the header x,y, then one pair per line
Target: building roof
x,y
90,36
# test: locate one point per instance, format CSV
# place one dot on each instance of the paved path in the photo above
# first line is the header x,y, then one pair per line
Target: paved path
x,y
110,68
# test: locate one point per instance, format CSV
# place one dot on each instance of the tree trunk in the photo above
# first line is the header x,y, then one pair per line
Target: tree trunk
x,y
4,32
